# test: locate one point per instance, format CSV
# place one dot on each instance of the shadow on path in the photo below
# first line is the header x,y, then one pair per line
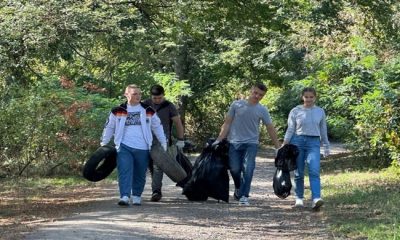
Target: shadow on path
x,y
268,217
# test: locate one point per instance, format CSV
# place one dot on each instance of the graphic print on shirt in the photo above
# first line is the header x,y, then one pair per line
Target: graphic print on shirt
x,y
133,118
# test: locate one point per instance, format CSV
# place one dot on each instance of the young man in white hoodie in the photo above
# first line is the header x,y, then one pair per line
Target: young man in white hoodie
x,y
133,124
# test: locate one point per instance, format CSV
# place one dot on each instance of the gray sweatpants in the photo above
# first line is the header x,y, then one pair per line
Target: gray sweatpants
x,y
156,178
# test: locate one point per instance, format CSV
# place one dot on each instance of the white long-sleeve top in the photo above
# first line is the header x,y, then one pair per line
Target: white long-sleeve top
x,y
150,123
307,121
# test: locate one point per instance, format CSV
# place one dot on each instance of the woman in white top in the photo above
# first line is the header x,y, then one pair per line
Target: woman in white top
x,y
307,129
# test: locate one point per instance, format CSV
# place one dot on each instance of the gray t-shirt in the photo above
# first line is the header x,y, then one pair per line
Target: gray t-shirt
x,y
307,122
165,111
245,126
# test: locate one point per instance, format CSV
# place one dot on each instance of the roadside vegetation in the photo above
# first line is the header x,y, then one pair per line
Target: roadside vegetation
x,y
64,64
362,201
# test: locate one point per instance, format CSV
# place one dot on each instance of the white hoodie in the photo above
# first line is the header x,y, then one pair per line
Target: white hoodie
x,y
115,124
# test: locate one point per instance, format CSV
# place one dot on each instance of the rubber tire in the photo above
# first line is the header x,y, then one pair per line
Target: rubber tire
x,y
100,164
167,163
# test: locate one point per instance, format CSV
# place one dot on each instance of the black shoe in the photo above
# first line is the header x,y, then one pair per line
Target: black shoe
x,y
156,196
235,195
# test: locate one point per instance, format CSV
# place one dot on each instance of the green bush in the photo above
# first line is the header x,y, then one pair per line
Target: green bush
x,y
50,129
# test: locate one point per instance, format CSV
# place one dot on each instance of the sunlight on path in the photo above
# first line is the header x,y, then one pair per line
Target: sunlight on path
x,y
268,217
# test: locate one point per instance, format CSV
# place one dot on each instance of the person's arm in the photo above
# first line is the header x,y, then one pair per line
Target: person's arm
x,y
324,135
158,130
225,128
272,134
324,130
291,128
179,131
179,127
108,131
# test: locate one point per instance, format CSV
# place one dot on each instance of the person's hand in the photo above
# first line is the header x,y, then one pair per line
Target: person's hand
x,y
180,144
215,143
164,146
327,152
276,152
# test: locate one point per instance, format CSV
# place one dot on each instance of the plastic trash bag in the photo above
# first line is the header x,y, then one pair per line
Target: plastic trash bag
x,y
286,157
285,162
210,174
281,183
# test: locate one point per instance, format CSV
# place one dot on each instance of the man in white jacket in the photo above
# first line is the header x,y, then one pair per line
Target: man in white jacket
x,y
132,124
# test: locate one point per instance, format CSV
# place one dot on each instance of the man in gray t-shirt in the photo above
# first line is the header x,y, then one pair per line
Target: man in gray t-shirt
x,y
169,115
242,127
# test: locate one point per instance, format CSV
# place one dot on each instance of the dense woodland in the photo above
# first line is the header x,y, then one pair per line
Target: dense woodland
x,y
64,64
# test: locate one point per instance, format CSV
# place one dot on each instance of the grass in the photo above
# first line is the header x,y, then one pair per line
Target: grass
x,y
26,202
362,203
38,183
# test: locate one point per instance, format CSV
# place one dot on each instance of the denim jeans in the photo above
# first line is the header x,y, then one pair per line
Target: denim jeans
x,y
132,166
242,161
309,147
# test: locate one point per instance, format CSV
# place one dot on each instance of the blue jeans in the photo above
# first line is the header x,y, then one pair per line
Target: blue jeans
x,y
132,166
309,147
242,161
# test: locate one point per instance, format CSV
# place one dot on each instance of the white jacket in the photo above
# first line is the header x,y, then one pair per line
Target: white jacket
x,y
115,125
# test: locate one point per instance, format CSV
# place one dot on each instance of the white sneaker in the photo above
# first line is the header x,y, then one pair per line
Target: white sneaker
x,y
299,203
317,203
136,200
244,201
124,201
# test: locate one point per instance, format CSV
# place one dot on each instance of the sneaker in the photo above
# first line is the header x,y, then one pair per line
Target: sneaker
x,y
156,196
299,203
244,201
124,201
136,200
236,194
317,203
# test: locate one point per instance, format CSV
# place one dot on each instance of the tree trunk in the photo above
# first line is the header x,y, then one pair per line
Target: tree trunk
x,y
181,70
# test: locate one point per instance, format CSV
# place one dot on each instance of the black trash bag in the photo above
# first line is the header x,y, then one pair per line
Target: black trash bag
x,y
210,174
286,157
186,165
281,183
102,162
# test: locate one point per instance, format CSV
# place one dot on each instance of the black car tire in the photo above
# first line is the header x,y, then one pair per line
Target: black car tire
x,y
101,164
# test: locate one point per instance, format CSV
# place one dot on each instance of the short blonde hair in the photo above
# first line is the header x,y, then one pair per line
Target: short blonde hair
x,y
132,86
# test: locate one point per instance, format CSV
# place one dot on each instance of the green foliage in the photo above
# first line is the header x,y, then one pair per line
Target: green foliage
x,y
174,88
48,129
204,53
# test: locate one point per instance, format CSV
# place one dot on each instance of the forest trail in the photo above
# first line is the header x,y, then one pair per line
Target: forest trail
x,y
174,217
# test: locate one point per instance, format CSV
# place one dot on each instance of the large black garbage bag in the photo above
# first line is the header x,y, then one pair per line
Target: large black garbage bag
x,y
282,183
210,174
286,157
285,162
186,165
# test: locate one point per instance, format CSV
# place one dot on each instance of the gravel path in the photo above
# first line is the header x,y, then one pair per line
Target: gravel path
x,y
175,217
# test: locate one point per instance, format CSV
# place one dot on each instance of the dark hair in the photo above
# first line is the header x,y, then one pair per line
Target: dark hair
x,y
308,89
156,90
261,86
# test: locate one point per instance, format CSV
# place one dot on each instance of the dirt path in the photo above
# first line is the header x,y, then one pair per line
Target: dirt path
x,y
267,217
